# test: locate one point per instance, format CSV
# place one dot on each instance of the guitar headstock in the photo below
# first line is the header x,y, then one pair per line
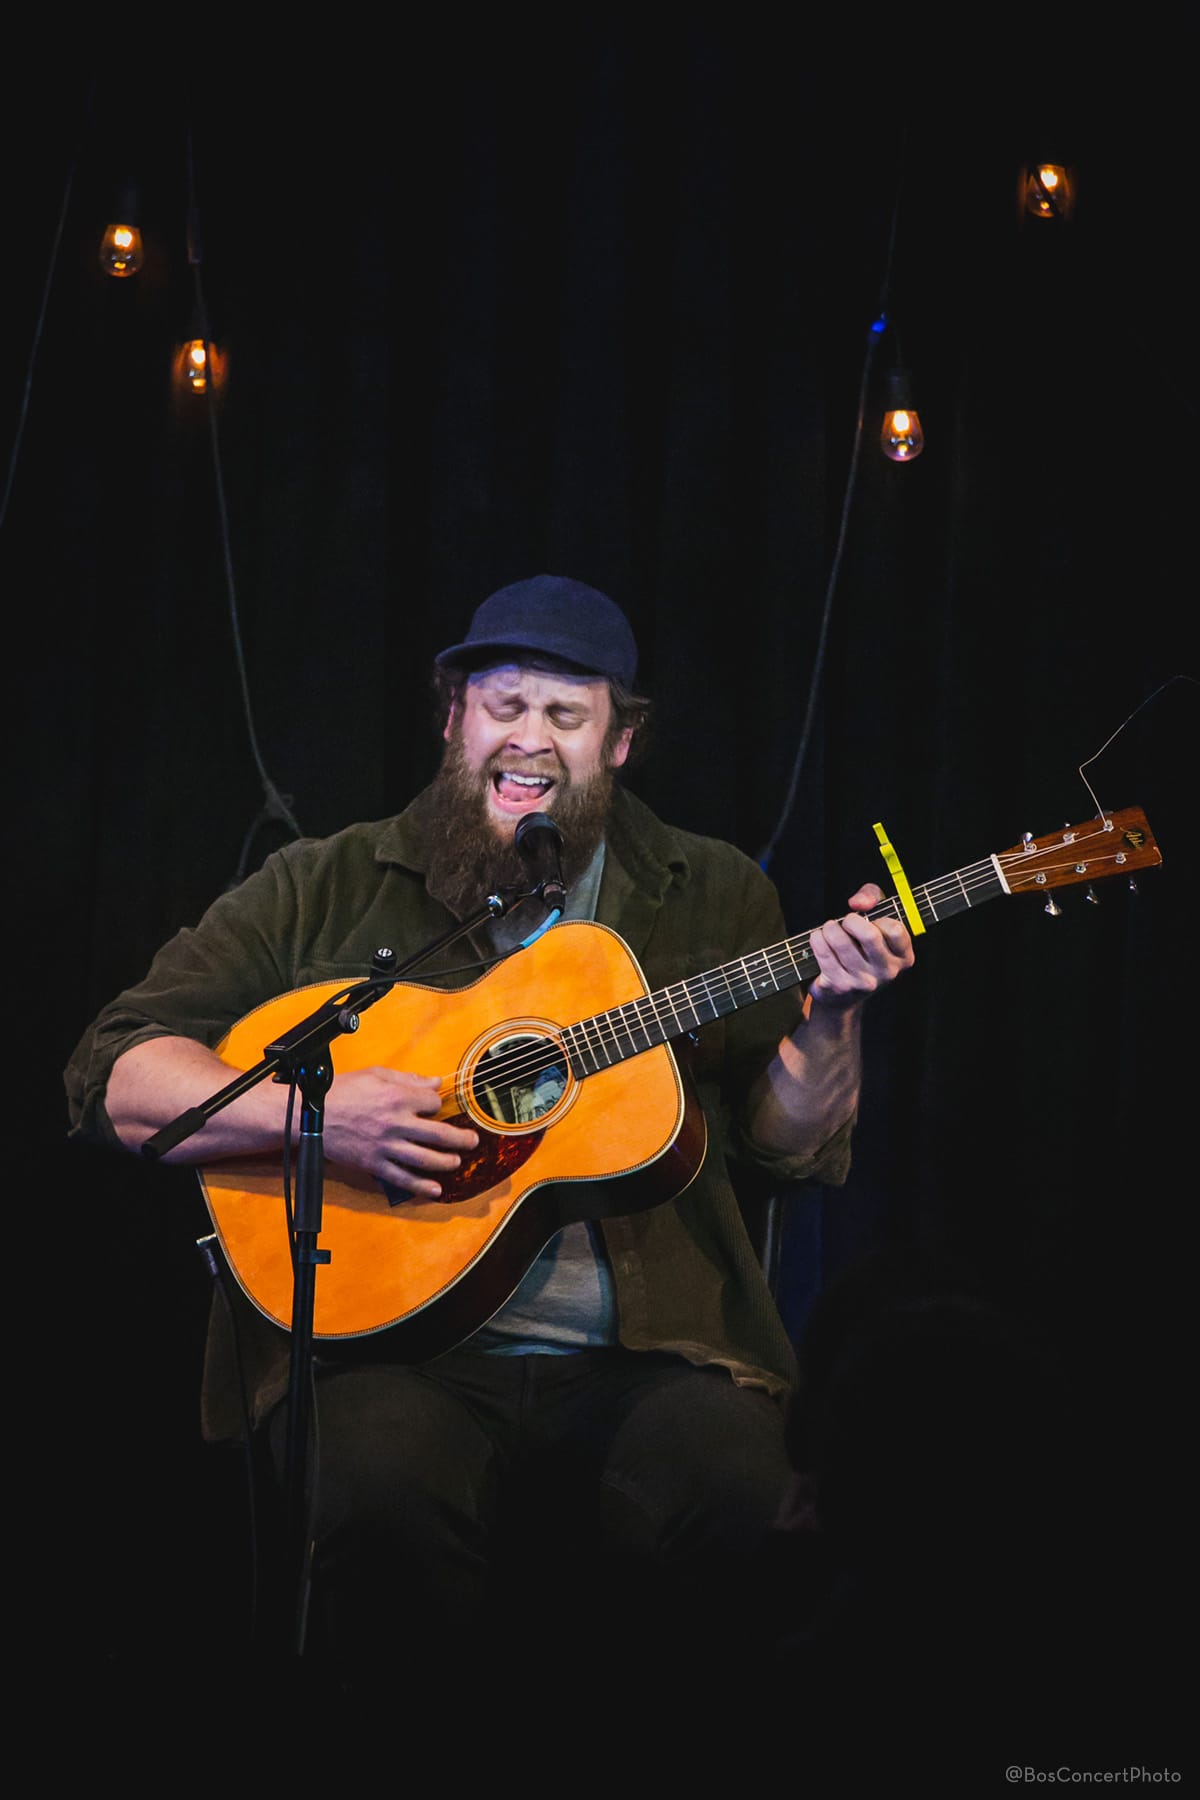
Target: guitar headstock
x,y
1116,844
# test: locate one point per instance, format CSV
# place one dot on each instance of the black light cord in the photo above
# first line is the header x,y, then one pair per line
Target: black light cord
x,y
37,338
276,805
772,844
879,326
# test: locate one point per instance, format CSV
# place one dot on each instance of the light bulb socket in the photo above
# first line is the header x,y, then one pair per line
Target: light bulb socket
x,y
129,204
897,391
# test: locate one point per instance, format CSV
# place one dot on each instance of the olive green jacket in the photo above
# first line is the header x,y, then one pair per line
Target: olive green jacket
x,y
686,1276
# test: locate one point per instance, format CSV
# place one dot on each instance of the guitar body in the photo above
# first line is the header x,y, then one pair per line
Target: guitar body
x,y
560,1058
627,1137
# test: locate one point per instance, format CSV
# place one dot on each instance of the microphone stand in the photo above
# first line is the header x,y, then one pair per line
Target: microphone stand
x,y
302,1057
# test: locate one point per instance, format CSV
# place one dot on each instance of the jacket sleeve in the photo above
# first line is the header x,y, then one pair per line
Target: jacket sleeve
x,y
198,985
723,907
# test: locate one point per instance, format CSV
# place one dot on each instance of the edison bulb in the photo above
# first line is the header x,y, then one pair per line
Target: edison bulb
x,y
121,251
901,436
195,365
1048,191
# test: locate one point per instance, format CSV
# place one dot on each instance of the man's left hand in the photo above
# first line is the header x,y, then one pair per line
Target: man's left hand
x,y
858,955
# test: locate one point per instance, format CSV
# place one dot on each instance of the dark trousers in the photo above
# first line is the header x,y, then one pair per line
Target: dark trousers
x,y
573,1506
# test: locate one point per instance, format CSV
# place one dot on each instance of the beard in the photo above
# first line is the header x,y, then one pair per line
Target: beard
x,y
471,855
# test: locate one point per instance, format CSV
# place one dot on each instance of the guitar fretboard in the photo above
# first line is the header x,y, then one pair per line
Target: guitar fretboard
x,y
653,1019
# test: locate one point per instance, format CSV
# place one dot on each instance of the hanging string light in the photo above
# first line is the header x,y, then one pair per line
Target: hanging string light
x,y
122,252
900,436
194,364
199,363
1049,191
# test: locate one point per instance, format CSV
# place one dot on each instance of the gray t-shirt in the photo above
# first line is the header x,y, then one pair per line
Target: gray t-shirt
x,y
566,1301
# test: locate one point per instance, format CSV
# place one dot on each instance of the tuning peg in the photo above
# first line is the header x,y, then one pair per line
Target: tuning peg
x,y
1052,907
1133,886
1091,896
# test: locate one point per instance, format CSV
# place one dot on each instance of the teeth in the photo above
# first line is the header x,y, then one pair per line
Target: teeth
x,y
538,781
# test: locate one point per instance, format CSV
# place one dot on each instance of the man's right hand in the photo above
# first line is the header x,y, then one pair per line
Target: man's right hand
x,y
385,1122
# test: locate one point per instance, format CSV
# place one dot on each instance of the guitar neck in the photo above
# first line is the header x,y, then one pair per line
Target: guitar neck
x,y
1112,843
609,1037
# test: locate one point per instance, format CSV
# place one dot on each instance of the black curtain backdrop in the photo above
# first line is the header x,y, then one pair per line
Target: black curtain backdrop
x,y
601,305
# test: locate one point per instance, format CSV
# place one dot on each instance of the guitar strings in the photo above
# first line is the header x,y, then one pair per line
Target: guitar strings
x,y
603,1033
671,1011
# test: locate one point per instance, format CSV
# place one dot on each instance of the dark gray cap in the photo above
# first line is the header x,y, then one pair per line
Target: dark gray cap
x,y
556,617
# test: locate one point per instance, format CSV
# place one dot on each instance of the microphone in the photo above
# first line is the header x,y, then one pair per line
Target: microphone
x,y
539,843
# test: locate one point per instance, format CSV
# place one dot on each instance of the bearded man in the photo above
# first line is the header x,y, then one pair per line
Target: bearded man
x,y
638,1349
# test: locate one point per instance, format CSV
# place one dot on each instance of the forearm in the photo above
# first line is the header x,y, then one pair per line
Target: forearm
x,y
812,1085
154,1082
382,1121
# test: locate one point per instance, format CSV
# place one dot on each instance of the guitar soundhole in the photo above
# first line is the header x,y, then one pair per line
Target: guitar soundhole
x,y
519,1079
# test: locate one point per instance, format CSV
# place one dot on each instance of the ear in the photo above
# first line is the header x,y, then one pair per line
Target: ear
x,y
450,726
620,749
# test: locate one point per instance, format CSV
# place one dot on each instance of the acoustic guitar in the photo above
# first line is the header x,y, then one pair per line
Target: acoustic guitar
x,y
577,1118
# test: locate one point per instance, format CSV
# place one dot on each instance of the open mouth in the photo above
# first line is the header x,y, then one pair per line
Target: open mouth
x,y
516,793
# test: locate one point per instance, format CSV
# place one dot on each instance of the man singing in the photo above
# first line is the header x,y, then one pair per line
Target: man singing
x,y
639,1353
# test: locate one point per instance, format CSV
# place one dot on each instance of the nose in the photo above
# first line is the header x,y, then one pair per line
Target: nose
x,y
531,734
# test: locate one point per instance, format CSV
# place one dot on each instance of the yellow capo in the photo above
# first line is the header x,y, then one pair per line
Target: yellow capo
x,y
916,925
